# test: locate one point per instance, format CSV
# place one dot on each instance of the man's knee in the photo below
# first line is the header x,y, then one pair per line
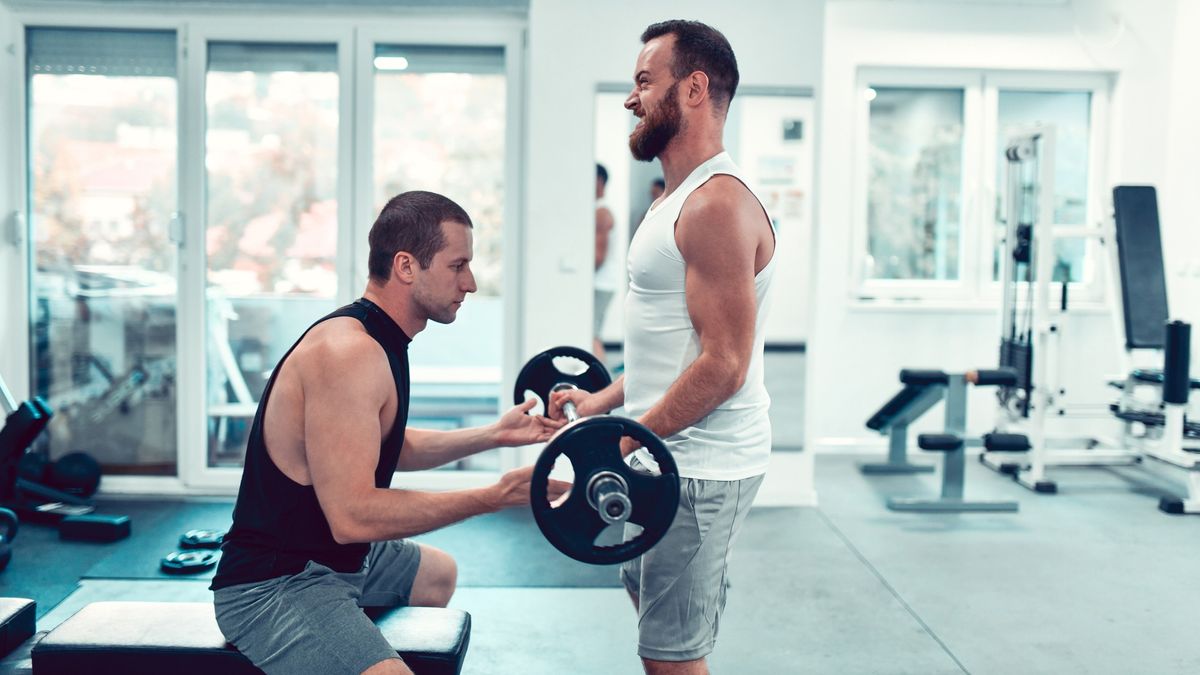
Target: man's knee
x,y
388,667
437,578
694,667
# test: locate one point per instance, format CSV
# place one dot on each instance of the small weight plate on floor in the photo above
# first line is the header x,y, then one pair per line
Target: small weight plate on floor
x,y
188,562
201,539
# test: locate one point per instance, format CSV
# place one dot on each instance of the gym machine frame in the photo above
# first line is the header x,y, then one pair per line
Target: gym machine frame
x,y
1031,349
1156,429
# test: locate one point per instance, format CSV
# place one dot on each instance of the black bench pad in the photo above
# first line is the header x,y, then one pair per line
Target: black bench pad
x,y
916,376
182,638
939,442
18,616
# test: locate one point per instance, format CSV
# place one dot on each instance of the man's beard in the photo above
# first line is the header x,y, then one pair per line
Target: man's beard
x,y
658,128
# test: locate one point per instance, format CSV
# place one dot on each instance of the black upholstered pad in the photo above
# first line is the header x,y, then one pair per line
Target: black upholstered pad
x,y
917,376
18,617
939,442
182,638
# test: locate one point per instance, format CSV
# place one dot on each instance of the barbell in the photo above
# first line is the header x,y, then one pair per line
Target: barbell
x,y
606,491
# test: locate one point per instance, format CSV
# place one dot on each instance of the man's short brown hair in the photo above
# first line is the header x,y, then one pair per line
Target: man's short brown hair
x,y
411,222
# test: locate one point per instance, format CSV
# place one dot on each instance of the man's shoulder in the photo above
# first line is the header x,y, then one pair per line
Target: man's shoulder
x,y
721,201
340,341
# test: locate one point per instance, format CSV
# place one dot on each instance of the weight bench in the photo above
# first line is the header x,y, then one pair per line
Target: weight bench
x,y
18,617
922,390
952,443
182,638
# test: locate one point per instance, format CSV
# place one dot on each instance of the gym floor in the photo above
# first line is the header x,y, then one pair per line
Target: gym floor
x,y
1092,580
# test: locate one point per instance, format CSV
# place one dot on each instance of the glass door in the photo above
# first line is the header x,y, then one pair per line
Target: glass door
x,y
270,221
102,108
437,114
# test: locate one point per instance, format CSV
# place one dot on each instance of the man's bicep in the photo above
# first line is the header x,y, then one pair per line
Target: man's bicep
x,y
721,304
341,431
719,278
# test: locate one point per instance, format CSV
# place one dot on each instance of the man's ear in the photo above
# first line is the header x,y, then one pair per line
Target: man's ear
x,y
404,267
697,90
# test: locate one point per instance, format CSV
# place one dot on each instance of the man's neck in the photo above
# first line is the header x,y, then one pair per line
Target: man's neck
x,y
399,308
684,154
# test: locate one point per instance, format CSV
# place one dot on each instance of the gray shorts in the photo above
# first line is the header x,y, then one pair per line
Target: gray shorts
x,y
313,622
681,582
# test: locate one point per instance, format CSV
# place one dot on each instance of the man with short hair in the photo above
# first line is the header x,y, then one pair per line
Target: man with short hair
x,y
700,267
317,533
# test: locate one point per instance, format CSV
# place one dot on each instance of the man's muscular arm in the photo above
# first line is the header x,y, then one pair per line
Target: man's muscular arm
x,y
346,384
717,232
428,448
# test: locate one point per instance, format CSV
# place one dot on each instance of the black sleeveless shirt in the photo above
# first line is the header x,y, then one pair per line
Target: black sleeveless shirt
x,y
278,525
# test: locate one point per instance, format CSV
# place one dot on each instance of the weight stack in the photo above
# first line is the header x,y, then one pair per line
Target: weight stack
x,y
1176,362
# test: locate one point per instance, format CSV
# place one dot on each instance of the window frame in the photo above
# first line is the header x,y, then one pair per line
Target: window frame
x,y
194,469
869,290
975,289
1092,292
354,36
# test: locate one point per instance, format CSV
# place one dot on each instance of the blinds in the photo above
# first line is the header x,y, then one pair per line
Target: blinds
x,y
269,57
437,59
89,51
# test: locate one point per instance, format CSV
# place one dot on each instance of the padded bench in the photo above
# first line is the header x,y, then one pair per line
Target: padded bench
x,y
182,638
18,618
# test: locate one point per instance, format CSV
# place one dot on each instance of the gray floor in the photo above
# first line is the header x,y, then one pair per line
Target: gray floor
x,y
1093,580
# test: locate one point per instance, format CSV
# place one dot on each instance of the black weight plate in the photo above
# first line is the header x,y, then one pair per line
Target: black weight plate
x,y
540,375
188,562
193,539
593,444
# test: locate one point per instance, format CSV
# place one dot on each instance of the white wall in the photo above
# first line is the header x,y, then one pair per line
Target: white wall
x,y
13,329
1179,194
855,352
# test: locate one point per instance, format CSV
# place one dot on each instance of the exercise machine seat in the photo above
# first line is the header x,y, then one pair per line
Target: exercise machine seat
x,y
939,442
18,618
918,377
1001,442
1157,377
182,638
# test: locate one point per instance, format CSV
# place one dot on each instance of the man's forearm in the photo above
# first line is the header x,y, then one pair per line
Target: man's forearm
x,y
426,448
610,397
385,514
707,383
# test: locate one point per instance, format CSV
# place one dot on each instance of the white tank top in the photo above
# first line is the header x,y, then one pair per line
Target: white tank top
x,y
734,440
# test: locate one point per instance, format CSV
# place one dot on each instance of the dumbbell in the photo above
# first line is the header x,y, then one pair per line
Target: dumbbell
x,y
606,491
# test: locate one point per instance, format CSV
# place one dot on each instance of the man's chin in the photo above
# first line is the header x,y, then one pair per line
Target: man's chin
x,y
446,317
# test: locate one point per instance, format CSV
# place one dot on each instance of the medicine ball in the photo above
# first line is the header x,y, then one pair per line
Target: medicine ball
x,y
76,473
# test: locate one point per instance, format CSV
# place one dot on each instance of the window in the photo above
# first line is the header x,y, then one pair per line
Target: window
x,y
440,119
271,237
200,192
1069,112
931,195
914,202
102,188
